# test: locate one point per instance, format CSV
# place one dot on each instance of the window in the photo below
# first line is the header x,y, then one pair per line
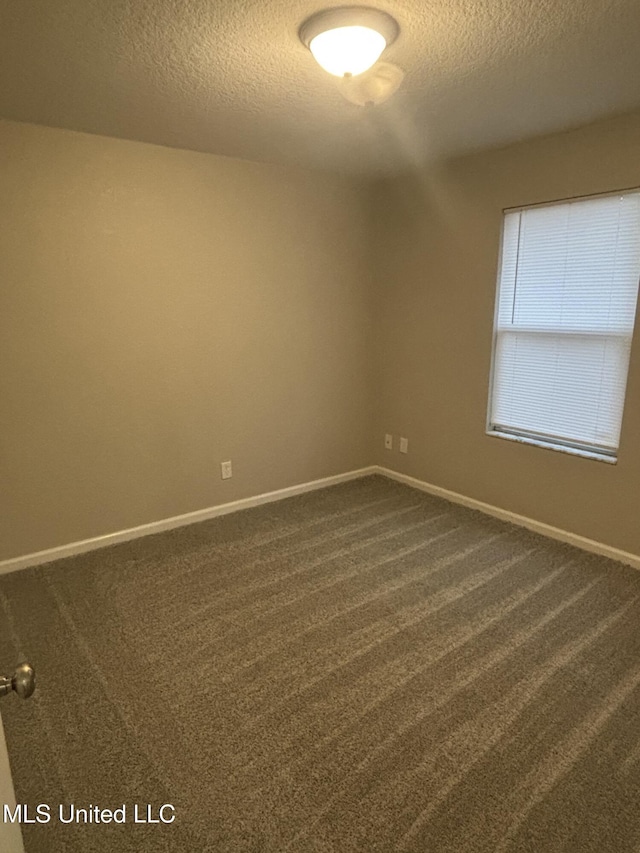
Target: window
x,y
565,310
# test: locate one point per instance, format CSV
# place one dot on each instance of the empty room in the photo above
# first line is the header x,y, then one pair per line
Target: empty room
x,y
319,427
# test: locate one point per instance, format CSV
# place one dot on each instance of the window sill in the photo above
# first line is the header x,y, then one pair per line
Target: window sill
x,y
548,445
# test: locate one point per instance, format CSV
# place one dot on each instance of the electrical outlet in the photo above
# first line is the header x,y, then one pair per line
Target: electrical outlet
x,y
225,468
388,441
404,445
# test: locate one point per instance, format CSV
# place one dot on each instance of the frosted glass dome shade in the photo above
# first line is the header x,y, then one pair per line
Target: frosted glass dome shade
x,y
347,50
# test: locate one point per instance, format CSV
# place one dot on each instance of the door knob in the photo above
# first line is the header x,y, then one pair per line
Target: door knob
x,y
23,681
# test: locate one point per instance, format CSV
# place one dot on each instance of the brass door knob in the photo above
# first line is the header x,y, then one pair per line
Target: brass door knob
x,y
23,681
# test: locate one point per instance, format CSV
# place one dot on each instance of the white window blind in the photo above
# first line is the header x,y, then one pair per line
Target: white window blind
x,y
567,293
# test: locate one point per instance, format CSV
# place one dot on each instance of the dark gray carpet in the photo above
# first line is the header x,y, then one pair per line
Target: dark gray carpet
x,y
363,668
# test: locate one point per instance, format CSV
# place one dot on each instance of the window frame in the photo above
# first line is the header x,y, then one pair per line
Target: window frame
x,y
529,437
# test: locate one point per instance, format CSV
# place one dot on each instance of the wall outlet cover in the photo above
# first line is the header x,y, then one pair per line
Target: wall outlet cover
x,y
225,469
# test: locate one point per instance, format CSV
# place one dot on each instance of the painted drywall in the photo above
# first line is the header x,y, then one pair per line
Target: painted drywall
x,y
162,311
436,239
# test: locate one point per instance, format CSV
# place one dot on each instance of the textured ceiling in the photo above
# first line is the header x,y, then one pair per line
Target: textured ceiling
x,y
231,77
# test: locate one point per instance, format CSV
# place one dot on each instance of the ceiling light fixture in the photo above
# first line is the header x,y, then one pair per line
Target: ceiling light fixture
x,y
348,40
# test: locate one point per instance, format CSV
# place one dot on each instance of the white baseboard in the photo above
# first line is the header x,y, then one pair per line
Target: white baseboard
x,y
74,548
521,520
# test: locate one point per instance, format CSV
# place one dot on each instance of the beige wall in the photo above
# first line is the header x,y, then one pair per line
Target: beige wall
x,y
437,241
162,311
